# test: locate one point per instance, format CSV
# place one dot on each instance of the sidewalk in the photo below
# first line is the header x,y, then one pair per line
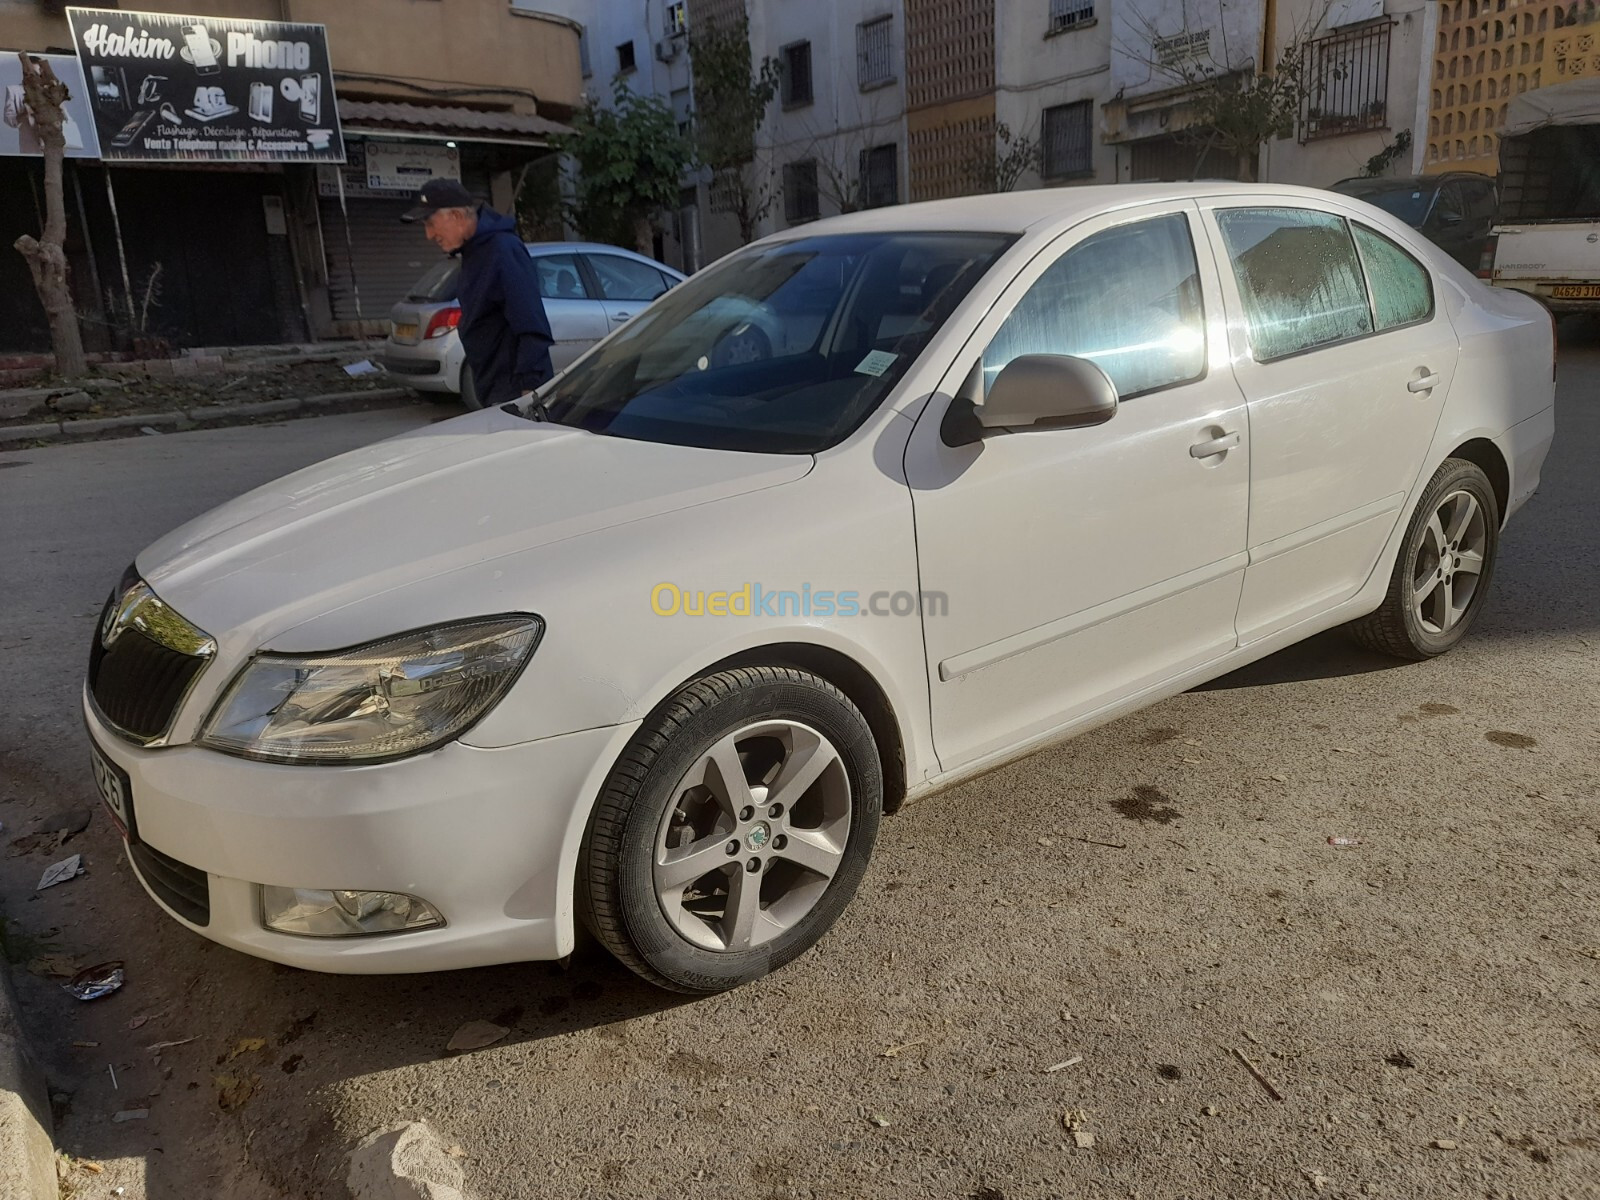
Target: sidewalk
x,y
199,390
27,1148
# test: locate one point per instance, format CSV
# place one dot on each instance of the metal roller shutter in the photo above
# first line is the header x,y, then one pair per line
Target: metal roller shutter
x,y
389,256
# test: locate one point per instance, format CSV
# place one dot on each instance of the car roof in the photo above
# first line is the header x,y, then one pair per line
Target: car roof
x,y
539,248
1038,209
1358,184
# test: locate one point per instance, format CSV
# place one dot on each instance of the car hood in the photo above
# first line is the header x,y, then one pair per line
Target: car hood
x,y
421,505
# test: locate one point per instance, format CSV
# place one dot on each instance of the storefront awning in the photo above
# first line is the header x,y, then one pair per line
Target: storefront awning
x,y
453,121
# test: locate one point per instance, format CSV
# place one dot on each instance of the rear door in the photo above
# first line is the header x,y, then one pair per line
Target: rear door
x,y
577,319
626,285
1345,360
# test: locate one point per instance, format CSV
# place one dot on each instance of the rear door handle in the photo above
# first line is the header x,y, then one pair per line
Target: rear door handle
x,y
1426,383
620,316
1217,445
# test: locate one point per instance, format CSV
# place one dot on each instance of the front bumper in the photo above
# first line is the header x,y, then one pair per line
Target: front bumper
x,y
488,836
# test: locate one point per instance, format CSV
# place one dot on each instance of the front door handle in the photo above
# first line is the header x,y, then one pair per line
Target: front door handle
x,y
620,316
1216,445
1427,383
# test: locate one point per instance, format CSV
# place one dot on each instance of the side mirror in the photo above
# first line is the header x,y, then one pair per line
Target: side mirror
x,y
1450,218
1048,391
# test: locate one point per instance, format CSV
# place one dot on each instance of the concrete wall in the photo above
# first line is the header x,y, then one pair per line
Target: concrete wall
x,y
1036,70
842,120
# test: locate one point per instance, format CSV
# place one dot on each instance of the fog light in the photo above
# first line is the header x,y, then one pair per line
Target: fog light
x,y
316,913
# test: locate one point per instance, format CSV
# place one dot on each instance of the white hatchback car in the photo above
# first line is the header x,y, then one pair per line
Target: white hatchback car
x,y
588,289
654,650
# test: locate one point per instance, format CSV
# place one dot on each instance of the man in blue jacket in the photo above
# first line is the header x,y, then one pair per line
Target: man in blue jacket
x,y
504,329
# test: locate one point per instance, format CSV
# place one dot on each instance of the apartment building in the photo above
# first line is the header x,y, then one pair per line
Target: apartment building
x,y
1487,51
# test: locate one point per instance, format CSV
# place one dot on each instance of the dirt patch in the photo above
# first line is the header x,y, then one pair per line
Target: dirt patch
x,y
1515,741
1143,805
1434,709
1156,737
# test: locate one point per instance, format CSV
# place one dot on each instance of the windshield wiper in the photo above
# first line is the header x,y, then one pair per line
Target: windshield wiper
x,y
534,412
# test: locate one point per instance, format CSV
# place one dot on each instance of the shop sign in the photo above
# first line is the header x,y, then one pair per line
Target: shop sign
x,y
17,134
172,88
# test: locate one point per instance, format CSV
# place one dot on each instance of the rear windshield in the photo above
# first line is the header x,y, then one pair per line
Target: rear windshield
x,y
1410,204
438,284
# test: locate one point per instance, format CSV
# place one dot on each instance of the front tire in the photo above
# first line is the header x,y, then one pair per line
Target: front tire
x,y
1443,570
734,829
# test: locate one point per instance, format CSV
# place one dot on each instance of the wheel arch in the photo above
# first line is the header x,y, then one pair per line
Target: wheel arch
x,y
856,682
1486,456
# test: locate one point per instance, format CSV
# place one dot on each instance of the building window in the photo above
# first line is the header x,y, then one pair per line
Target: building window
x,y
677,17
874,62
1070,14
796,58
1348,74
583,53
683,110
800,202
625,61
1067,147
880,176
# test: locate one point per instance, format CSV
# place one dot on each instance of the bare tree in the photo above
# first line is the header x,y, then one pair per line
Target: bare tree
x,y
1012,157
1236,103
43,97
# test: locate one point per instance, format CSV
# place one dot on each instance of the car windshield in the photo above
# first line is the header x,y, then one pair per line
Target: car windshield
x,y
783,348
439,284
1410,204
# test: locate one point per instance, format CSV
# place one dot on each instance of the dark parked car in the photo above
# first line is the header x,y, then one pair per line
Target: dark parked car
x,y
1454,210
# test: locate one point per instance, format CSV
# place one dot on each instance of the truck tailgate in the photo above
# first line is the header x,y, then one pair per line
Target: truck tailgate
x,y
1555,252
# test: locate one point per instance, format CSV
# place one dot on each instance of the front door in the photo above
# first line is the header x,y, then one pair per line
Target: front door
x,y
1345,361
1083,566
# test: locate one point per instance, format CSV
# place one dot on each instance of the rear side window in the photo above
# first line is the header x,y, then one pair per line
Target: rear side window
x,y
1402,291
1299,277
624,279
559,278
1126,299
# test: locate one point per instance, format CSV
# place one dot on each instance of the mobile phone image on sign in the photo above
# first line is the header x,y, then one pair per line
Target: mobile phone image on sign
x,y
311,99
200,50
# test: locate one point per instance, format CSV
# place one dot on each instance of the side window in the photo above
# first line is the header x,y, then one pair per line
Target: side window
x,y
559,278
1450,203
1127,299
1402,291
1299,277
623,279
1482,202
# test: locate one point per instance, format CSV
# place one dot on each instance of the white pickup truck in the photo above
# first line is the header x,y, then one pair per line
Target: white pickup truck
x,y
1547,239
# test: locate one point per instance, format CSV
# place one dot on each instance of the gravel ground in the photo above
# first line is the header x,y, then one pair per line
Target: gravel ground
x,y
1040,990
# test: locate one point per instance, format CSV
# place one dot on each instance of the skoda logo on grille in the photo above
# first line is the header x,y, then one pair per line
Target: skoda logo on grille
x,y
123,613
143,610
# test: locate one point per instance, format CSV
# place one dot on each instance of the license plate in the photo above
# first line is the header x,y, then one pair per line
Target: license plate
x,y
404,332
115,789
1576,291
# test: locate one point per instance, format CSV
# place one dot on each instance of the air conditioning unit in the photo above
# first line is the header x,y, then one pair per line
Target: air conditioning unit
x,y
668,49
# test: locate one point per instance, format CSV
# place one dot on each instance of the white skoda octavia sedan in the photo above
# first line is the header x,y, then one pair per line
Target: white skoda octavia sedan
x,y
653,650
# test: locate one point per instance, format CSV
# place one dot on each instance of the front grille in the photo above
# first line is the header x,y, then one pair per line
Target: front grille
x,y
182,888
138,683
140,678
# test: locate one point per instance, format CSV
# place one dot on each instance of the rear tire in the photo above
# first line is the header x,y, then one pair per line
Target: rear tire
x,y
469,388
1442,573
733,831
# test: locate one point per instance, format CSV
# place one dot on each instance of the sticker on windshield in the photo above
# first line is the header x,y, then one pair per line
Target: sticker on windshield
x,y
876,363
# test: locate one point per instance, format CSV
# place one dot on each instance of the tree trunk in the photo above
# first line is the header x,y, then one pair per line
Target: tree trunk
x,y
644,234
43,96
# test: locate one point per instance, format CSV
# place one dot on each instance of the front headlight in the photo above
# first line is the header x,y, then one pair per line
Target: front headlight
x,y
382,700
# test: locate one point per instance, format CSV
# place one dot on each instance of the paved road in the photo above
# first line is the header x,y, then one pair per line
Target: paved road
x,y
1439,983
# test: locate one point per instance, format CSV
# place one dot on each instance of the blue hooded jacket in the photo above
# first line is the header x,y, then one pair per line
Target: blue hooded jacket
x,y
504,329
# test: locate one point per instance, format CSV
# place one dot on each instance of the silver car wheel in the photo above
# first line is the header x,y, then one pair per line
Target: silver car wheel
x,y
1449,563
756,830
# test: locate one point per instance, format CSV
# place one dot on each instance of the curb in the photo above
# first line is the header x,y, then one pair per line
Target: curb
x,y
209,416
27,1147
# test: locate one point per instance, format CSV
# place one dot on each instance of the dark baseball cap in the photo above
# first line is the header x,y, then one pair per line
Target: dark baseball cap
x,y
437,194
